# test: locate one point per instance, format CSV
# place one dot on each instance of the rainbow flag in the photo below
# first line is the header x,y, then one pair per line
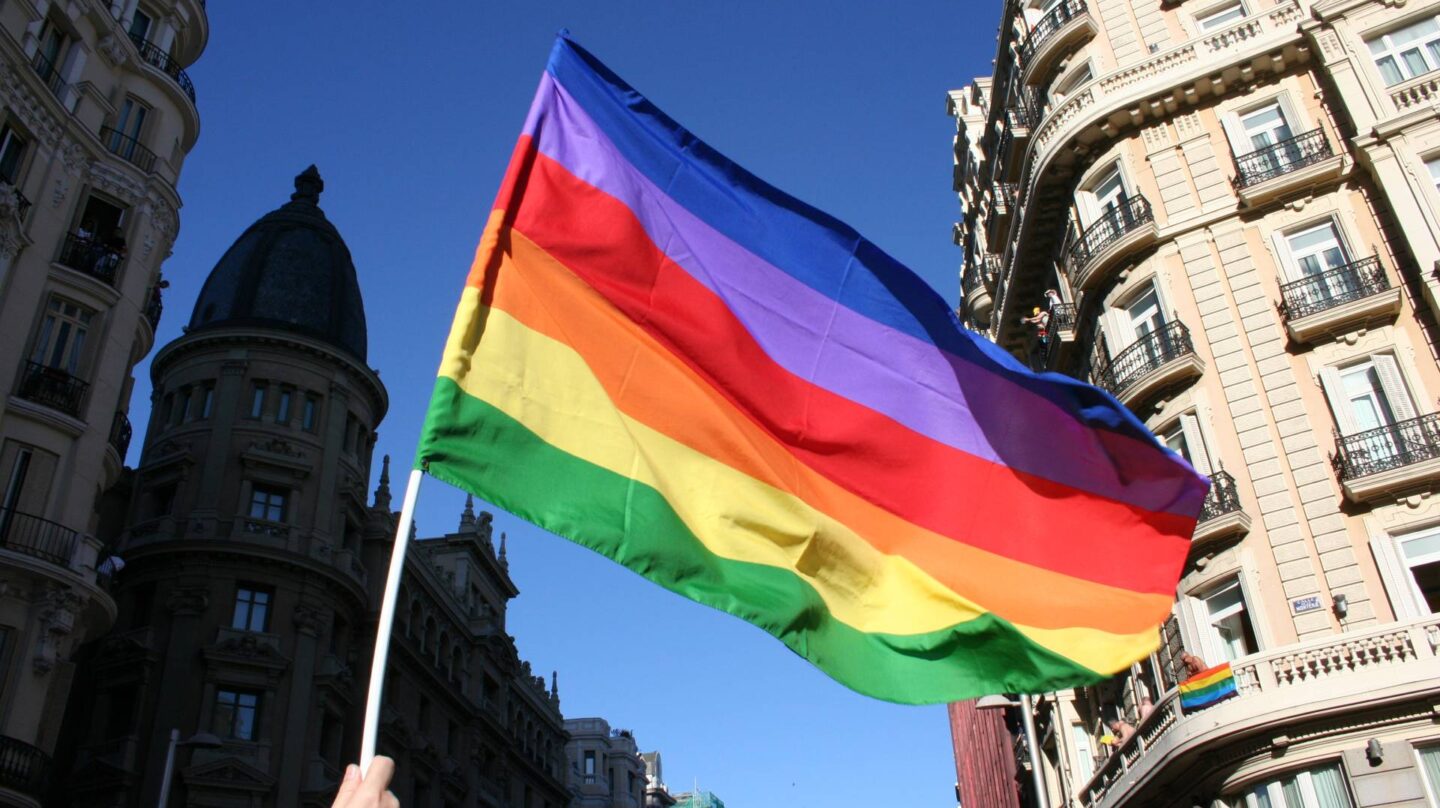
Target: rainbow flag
x,y
664,359
1207,687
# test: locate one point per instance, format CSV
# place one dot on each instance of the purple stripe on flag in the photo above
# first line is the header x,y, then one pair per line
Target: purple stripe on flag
x,y
809,334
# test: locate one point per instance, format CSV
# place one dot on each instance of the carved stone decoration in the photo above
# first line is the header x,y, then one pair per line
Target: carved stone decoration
x,y
147,246
10,224
309,619
110,47
58,609
278,446
248,645
187,600
117,183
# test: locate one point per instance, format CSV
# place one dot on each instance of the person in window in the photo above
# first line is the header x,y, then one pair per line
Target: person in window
x,y
1192,664
1123,732
369,791
1146,708
111,254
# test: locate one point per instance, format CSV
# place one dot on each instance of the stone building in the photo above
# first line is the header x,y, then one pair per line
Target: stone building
x,y
1234,204
97,116
607,770
254,567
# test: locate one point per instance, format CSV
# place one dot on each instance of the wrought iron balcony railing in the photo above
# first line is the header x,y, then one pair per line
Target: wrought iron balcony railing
x,y
152,55
1053,21
1062,317
48,73
1388,447
154,308
22,204
87,255
52,387
41,538
973,276
1113,224
128,148
1166,344
1280,158
120,433
1356,280
24,768
1222,498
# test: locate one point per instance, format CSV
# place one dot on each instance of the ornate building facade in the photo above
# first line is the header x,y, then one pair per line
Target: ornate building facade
x,y
97,115
254,567
1225,214
607,770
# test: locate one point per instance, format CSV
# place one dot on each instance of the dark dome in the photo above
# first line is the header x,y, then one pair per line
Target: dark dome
x,y
289,271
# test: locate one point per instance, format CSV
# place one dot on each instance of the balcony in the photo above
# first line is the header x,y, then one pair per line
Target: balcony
x,y
23,533
1280,693
128,149
1293,164
1390,458
1157,360
89,256
155,307
53,388
1061,28
24,768
1221,516
977,283
48,73
1338,300
22,204
1002,210
120,433
1062,334
1119,230
151,55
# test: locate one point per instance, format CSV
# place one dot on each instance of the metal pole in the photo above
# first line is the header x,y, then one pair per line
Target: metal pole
x,y
169,768
1042,797
387,622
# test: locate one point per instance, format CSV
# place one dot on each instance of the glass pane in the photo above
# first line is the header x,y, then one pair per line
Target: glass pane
x,y
1224,600
1313,240
1410,33
1421,546
1415,62
1427,580
1291,789
1430,764
1329,784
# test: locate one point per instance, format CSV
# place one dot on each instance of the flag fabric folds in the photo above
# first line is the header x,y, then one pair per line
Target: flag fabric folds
x,y
664,359
1207,687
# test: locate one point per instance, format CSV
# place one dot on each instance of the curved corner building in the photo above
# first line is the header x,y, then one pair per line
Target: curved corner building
x,y
1235,203
97,115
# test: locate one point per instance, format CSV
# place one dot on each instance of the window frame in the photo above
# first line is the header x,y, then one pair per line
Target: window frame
x,y
234,707
1273,784
262,599
9,136
271,494
54,321
1205,20
1393,52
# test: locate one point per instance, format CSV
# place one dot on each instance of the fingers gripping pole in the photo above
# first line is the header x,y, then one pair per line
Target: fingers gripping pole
x,y
387,621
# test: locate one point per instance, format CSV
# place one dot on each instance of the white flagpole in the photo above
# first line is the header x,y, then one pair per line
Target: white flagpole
x,y
387,621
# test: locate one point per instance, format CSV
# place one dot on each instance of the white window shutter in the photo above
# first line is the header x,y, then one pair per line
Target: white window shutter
x,y
1394,386
1399,581
1195,442
1339,404
1194,627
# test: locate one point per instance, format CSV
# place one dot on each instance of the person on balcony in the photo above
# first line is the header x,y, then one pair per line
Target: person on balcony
x,y
1123,732
1193,665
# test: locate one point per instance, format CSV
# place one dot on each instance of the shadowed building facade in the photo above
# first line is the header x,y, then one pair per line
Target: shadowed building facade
x,y
254,566
1225,213
97,117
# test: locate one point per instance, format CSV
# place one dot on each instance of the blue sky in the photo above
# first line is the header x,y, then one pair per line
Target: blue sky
x,y
410,110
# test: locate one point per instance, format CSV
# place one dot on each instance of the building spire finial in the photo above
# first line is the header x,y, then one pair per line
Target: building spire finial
x,y
503,561
467,517
308,186
382,491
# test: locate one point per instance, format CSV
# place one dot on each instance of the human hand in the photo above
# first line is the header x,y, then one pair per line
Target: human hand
x,y
369,791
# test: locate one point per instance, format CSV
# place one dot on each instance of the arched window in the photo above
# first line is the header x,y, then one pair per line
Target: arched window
x,y
432,632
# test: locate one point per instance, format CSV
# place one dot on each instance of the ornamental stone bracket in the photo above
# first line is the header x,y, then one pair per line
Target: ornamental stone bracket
x,y
58,609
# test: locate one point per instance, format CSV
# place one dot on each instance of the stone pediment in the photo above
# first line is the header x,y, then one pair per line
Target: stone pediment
x,y
228,773
277,453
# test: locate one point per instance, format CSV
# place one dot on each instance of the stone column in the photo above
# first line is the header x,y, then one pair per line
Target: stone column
x,y
176,707
309,622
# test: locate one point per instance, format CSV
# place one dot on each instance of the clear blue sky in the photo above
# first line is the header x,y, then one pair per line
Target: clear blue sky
x,y
411,110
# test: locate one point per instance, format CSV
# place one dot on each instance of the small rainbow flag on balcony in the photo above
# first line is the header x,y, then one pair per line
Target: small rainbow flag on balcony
x,y
1207,687
666,360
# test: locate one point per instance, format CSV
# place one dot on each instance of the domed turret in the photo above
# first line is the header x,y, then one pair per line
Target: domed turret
x,y
289,271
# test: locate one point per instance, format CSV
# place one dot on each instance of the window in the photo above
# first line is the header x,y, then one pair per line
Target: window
x,y
267,503
589,770
1420,554
1407,52
167,408
1084,754
16,483
1184,438
187,398
282,412
236,714
162,500
1229,622
207,399
47,56
1222,15
140,25
252,609
1108,194
1320,787
1262,129
12,149
351,428
257,399
1368,396
1430,768
128,127
62,335
310,413
1317,250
